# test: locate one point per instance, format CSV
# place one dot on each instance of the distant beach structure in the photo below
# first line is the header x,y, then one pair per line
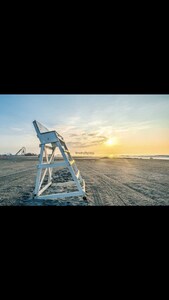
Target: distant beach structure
x,y
21,151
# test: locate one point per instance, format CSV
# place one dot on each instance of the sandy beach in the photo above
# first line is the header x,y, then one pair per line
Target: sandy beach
x,y
109,182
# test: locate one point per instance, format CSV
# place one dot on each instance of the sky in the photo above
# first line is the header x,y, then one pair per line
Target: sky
x,y
106,125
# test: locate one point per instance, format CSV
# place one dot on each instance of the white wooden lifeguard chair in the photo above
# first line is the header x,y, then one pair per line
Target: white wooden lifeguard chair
x,y
51,140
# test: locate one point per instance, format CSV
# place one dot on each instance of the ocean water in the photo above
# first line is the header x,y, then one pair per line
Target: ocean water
x,y
163,157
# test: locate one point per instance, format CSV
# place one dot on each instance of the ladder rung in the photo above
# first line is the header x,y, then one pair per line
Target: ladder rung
x,y
66,151
52,165
59,136
61,141
77,175
72,162
48,147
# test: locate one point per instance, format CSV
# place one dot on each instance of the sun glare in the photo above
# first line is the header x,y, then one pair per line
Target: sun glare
x,y
111,141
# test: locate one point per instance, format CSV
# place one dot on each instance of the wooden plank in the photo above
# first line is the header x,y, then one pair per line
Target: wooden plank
x,y
77,175
48,147
55,165
44,188
60,195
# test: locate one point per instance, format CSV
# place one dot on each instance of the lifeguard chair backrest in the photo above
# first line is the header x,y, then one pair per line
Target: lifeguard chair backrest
x,y
39,127
45,136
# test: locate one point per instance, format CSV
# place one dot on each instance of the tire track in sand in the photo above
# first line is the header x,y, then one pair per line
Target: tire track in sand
x,y
118,190
101,192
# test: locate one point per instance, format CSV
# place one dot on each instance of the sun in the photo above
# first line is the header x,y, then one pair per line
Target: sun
x,y
111,141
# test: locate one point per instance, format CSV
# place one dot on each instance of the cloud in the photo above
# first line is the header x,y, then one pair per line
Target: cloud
x,y
89,141
83,135
16,129
73,135
74,120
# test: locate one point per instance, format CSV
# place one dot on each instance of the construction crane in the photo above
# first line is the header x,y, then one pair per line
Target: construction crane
x,y
21,151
